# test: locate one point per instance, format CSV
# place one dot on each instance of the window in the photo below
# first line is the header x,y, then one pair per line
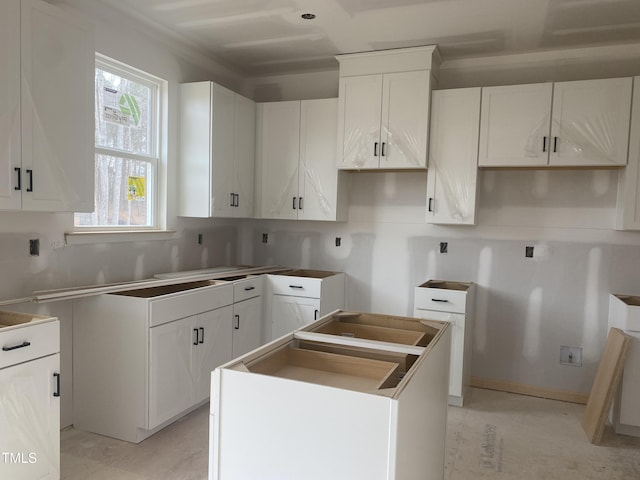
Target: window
x,y
126,153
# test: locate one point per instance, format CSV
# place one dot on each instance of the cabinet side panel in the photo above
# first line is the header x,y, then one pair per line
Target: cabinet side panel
x,y
194,161
421,416
296,430
110,353
332,293
628,206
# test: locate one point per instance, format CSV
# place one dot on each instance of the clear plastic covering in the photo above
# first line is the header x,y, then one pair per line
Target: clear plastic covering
x,y
589,138
456,188
29,421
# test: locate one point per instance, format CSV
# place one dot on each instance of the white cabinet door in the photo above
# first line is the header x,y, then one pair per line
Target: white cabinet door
x,y
170,377
405,120
213,349
290,313
30,420
318,177
10,162
244,138
278,144
247,326
222,151
57,109
360,113
514,125
628,204
591,122
453,153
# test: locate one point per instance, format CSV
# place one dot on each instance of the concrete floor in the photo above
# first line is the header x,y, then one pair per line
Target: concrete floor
x,y
496,435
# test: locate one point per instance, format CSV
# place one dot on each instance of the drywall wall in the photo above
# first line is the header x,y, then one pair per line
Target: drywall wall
x,y
526,308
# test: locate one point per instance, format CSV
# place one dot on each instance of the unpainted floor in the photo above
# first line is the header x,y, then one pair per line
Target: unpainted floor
x,y
496,435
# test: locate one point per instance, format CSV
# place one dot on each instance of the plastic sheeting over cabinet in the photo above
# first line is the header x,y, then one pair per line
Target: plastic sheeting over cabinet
x,y
453,153
383,121
579,123
295,161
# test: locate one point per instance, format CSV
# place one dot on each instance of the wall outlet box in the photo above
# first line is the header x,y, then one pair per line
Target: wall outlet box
x,y
571,355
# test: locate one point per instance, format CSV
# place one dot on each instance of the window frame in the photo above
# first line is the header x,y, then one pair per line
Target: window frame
x,y
155,157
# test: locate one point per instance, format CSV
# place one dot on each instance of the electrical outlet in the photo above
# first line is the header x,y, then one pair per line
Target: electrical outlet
x,y
444,246
571,355
199,239
338,241
34,247
528,252
265,238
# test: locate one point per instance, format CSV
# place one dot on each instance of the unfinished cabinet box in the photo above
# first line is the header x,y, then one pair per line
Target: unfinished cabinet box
x,y
29,396
352,395
298,297
452,302
142,358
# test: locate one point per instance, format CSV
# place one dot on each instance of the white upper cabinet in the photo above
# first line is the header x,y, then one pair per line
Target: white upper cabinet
x,y
277,158
628,205
383,121
295,161
514,125
591,122
244,154
383,110
10,159
581,123
217,140
47,119
453,154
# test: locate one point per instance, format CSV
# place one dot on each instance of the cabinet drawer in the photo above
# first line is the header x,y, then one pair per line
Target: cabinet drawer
x,y
189,303
247,288
295,286
442,296
29,341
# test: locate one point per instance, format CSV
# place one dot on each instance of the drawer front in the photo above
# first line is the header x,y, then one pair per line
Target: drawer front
x,y
440,299
29,342
247,288
188,303
296,286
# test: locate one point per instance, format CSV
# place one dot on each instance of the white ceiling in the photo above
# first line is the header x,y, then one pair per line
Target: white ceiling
x,y
258,37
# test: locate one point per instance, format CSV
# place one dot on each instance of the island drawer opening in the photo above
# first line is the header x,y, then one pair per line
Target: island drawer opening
x,y
392,329
329,369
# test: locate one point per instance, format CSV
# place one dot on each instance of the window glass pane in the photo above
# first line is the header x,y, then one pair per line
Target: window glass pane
x,y
124,114
123,196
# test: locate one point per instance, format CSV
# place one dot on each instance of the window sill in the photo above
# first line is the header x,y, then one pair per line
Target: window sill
x,y
90,237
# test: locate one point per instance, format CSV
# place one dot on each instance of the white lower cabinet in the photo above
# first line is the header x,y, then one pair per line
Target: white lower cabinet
x,y
247,315
29,397
142,358
351,396
183,354
451,302
299,297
